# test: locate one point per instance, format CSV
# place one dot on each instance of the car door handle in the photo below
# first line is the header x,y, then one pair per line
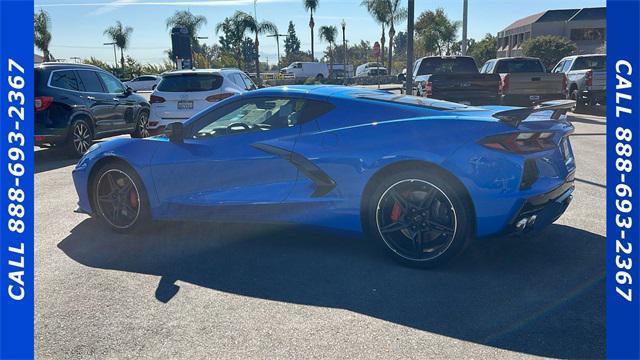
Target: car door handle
x,y
116,99
91,97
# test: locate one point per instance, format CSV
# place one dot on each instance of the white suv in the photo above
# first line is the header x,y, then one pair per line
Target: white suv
x,y
182,94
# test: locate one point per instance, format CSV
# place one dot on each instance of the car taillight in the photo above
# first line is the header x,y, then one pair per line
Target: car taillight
x,y
589,78
43,102
504,84
520,142
156,99
218,97
427,88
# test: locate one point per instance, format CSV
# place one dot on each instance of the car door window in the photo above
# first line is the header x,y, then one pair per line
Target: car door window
x,y
259,114
90,81
249,85
567,66
65,79
113,85
558,67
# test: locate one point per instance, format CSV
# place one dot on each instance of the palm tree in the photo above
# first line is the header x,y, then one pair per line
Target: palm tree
x,y
311,6
42,35
329,34
250,23
120,35
379,10
193,23
396,15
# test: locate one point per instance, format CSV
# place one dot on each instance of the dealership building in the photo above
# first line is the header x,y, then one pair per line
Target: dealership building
x,y
585,27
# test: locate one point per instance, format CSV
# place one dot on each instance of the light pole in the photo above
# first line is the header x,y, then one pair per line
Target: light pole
x,y
409,77
115,56
465,5
343,24
277,36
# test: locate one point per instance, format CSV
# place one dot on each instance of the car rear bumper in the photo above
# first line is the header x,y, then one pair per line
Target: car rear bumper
x,y
593,97
44,135
528,99
542,210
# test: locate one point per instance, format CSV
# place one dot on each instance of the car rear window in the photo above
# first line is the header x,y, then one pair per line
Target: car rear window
x,y
590,62
519,66
447,65
189,82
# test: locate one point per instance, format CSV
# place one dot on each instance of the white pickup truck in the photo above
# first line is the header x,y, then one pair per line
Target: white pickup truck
x,y
586,79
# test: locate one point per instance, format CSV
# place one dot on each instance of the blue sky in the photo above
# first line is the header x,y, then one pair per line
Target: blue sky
x,y
77,25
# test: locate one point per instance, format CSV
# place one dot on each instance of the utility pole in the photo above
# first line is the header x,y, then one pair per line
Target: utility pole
x,y
115,56
409,78
277,36
343,24
465,5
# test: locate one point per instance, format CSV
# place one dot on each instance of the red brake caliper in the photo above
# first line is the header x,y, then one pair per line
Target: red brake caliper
x,y
396,212
133,199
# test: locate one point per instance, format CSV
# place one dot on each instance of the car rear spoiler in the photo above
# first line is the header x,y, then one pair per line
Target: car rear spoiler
x,y
516,116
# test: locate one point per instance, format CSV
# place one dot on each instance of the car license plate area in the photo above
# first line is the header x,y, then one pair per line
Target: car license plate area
x,y
185,105
534,97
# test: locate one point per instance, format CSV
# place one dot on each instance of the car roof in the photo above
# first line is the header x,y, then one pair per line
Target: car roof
x,y
203,71
59,65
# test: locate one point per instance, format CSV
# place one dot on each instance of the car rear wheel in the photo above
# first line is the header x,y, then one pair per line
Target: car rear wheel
x,y
81,138
419,218
119,198
142,126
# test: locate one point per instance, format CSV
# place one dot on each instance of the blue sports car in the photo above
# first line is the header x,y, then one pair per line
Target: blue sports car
x,y
419,176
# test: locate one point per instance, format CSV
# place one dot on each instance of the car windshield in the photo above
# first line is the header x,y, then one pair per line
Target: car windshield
x,y
519,66
590,62
415,101
447,65
190,82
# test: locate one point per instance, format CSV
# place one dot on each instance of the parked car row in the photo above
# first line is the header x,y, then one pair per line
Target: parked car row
x,y
76,104
519,81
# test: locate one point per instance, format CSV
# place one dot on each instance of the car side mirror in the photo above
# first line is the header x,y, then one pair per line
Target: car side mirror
x,y
175,132
128,91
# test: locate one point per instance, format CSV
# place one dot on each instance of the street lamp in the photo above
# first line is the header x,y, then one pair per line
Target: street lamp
x,y
115,57
277,36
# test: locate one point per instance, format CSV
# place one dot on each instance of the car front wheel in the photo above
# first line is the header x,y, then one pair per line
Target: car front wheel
x,y
419,218
119,198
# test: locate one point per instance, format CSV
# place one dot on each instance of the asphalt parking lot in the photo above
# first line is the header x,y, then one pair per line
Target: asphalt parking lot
x,y
242,291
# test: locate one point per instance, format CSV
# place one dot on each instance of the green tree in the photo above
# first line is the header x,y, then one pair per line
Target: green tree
x,y
249,53
311,6
193,24
483,50
99,63
120,34
550,49
436,32
329,34
291,42
233,32
42,33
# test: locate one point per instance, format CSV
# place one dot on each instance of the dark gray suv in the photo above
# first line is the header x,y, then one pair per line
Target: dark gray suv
x,y
76,104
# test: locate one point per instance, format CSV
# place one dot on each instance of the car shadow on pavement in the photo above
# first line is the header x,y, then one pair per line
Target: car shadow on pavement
x,y
52,159
542,295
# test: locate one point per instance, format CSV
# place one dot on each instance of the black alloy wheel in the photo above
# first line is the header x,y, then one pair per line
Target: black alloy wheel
x,y
420,218
119,198
142,126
